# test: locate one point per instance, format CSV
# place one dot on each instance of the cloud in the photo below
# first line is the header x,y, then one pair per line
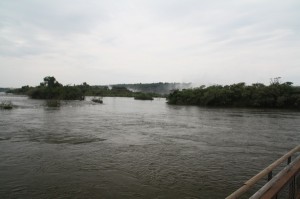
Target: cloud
x,y
103,42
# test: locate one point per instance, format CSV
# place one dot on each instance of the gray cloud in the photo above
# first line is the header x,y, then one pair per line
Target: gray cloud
x,y
103,42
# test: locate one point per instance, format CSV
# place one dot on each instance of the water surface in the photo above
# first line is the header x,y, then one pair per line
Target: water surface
x,y
127,148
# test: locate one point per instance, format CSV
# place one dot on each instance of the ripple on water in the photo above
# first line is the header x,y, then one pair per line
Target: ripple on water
x,y
4,138
66,140
130,149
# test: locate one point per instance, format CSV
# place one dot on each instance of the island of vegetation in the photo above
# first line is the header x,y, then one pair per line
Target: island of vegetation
x,y
275,95
6,105
51,89
143,96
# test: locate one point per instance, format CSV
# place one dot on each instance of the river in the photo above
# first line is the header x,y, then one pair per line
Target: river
x,y
127,148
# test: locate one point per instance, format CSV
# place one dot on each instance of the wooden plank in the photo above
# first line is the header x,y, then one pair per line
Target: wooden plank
x,y
280,175
250,183
279,184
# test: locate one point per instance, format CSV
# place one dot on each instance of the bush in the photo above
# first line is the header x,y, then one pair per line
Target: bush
x,y
143,96
275,95
6,105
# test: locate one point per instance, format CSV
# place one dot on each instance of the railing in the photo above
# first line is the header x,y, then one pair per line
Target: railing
x,y
286,177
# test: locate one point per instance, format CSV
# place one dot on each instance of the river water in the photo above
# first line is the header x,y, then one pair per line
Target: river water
x,y
127,148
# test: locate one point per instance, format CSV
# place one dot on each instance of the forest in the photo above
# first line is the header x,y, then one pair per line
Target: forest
x,y
275,95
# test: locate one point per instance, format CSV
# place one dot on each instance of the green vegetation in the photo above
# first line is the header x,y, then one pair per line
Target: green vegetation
x,y
20,91
6,105
143,96
52,89
276,95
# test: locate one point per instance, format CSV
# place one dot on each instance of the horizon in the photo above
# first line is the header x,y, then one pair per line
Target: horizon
x,y
104,43
193,85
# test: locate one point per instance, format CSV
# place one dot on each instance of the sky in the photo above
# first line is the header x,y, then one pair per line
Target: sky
x,y
144,41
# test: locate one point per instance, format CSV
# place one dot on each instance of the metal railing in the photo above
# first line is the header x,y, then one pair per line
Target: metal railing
x,y
286,177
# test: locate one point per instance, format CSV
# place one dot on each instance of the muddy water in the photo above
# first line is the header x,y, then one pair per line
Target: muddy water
x,y
126,148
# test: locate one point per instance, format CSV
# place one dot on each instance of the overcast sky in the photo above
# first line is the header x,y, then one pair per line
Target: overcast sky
x,y
133,41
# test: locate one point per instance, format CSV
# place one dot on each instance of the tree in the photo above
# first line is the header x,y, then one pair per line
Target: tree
x,y
276,95
275,80
50,82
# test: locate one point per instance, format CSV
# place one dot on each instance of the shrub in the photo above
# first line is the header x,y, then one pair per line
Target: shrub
x,y
6,105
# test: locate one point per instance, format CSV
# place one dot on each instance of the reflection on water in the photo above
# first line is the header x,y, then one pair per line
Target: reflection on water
x,y
126,148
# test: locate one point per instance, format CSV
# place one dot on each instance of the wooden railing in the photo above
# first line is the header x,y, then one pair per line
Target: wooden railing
x,y
274,185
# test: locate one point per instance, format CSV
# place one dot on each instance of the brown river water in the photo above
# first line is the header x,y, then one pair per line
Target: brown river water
x,y
127,148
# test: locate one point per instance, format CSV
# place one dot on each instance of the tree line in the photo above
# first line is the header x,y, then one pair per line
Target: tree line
x,y
50,88
275,95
